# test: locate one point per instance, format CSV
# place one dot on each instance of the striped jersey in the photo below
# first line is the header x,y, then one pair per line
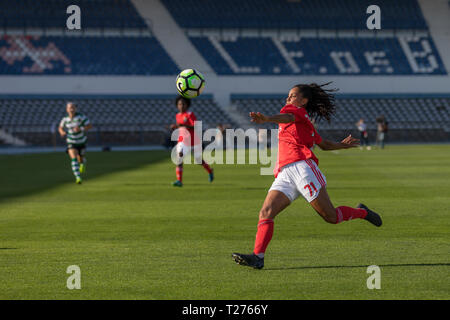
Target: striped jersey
x,y
68,124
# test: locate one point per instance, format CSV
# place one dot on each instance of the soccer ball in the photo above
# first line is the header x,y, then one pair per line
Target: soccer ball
x,y
190,83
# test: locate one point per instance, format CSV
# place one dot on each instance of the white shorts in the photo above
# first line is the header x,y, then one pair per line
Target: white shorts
x,y
186,150
301,177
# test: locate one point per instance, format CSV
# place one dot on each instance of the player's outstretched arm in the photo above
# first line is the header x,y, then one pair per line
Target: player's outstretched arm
x,y
258,117
62,133
347,143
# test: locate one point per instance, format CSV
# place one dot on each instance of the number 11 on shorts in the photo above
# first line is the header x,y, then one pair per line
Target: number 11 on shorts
x,y
311,184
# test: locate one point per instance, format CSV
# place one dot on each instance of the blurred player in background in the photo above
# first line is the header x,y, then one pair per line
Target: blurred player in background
x,y
297,172
187,139
364,135
74,127
382,128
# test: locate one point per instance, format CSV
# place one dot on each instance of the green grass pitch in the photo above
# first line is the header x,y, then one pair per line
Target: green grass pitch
x,y
134,236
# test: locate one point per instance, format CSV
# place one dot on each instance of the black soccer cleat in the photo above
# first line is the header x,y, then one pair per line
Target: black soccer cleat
x,y
250,260
373,217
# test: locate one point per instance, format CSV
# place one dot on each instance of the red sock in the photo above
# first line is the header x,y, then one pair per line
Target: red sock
x,y
344,213
263,236
206,166
179,171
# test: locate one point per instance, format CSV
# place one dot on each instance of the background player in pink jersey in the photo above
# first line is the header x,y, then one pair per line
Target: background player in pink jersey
x,y
187,139
297,172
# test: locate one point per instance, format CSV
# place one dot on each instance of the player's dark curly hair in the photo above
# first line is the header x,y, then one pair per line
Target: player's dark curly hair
x,y
321,102
186,100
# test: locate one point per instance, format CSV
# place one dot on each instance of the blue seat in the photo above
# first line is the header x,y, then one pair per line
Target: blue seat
x,y
272,14
93,56
52,14
312,55
401,113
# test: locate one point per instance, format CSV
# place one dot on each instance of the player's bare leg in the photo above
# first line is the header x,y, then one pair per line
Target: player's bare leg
x,y
208,169
275,202
324,207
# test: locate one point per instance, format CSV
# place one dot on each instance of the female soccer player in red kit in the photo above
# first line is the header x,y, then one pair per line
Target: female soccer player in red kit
x,y
297,172
187,139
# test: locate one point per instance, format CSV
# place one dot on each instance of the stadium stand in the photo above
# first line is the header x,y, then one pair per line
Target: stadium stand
x,y
122,43
121,120
252,37
52,14
270,37
283,53
144,55
285,14
410,119
301,55
94,55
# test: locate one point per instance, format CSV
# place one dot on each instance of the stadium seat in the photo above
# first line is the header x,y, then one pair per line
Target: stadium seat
x,y
401,113
313,55
27,117
284,14
90,55
52,14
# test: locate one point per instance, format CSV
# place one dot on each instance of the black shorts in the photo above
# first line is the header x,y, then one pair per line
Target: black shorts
x,y
81,148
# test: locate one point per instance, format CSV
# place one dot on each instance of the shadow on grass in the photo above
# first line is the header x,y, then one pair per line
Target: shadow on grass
x,y
143,184
365,266
32,173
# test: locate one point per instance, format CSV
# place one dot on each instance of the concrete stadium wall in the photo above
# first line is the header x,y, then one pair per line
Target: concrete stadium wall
x,y
219,87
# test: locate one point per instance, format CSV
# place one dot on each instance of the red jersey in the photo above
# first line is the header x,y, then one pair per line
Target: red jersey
x,y
295,139
186,135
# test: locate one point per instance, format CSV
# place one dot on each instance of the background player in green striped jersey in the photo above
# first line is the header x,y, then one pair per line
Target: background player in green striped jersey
x,y
74,127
